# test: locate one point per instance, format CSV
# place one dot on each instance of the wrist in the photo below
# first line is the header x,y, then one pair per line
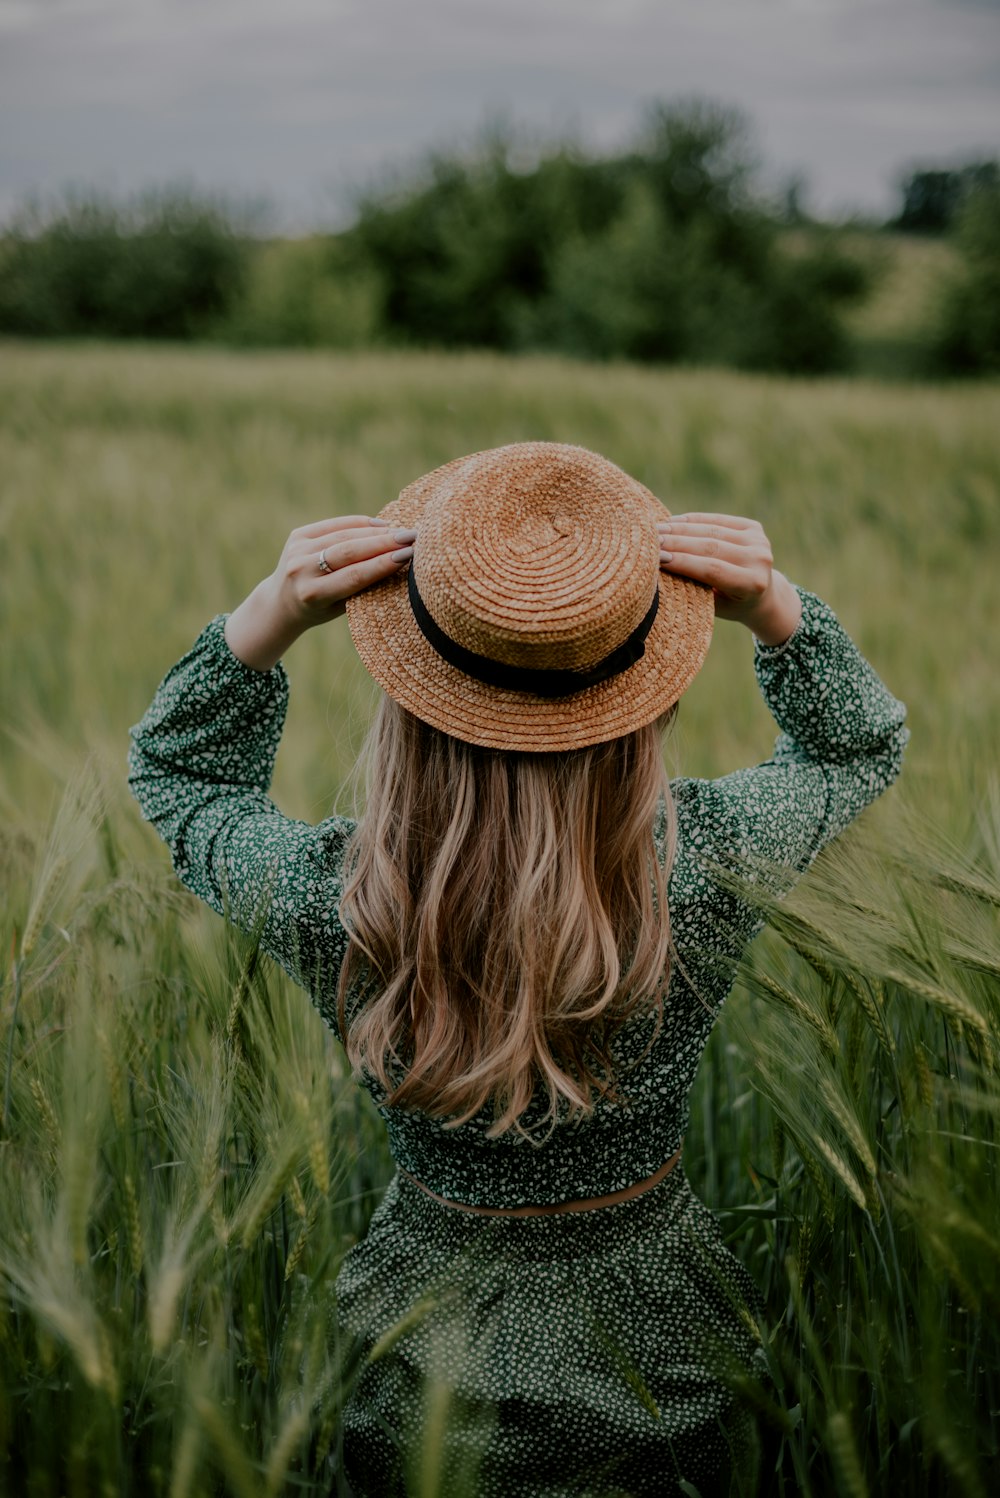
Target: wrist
x,y
776,615
259,632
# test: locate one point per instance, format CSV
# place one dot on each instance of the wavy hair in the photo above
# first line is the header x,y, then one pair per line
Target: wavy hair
x,y
507,913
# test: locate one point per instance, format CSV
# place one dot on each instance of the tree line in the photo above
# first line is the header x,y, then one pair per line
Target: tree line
x,y
665,252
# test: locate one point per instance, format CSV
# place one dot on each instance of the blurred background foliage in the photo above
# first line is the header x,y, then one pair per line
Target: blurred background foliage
x,y
666,253
163,265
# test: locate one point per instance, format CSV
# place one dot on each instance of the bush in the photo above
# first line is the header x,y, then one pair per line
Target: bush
x,y
164,265
966,339
661,254
463,251
933,198
306,293
648,290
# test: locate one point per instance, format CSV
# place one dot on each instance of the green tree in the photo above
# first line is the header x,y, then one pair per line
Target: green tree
x,y
166,264
661,253
933,198
966,339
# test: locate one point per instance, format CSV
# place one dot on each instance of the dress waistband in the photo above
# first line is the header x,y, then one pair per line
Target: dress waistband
x,y
553,1208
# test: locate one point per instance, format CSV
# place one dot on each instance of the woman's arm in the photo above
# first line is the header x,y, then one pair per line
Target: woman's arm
x,y
201,759
843,732
200,765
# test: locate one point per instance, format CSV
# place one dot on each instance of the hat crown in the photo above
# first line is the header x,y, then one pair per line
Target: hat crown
x,y
539,555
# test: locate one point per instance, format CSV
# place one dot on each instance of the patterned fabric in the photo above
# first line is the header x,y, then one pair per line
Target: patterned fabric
x,y
200,765
586,1353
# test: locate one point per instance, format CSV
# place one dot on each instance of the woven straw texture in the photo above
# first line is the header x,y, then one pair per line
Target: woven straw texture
x,y
536,555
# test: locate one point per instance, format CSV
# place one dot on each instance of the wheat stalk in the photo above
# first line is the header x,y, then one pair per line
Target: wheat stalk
x,y
804,1011
232,1458
819,1181
848,1121
134,1225
293,1431
298,1201
46,1112
950,1003
842,1170
840,1440
298,1247
872,1011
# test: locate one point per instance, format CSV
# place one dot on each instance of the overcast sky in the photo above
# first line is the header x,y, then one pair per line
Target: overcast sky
x,y
303,100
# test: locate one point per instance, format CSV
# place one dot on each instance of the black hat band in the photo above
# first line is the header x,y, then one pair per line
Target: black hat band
x,y
541,681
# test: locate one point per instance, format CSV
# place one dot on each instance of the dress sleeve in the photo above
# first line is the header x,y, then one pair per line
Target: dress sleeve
x,y
840,746
200,765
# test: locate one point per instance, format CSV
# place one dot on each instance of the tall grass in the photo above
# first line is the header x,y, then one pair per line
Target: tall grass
x,y
183,1161
179,1181
858,1161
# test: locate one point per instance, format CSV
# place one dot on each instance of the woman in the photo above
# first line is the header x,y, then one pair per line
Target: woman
x,y
525,942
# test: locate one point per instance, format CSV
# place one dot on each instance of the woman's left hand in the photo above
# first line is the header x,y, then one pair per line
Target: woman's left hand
x,y
732,555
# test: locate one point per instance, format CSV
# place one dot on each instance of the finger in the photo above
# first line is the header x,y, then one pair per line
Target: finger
x,y
361,575
683,530
343,554
338,522
717,574
312,545
710,517
708,546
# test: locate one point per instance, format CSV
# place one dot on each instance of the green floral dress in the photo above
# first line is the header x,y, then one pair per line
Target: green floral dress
x,y
584,1353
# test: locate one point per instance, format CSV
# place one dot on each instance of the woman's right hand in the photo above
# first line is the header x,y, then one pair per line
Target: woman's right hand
x,y
732,556
357,550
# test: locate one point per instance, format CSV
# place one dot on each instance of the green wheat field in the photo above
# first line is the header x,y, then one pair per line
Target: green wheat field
x,y
184,1160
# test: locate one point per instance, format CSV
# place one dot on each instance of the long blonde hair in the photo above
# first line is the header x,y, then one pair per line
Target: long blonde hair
x,y
507,913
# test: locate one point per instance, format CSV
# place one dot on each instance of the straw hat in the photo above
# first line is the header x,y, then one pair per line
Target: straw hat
x,y
534,614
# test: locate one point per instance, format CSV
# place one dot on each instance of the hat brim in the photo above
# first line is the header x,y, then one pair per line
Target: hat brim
x,y
407,667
